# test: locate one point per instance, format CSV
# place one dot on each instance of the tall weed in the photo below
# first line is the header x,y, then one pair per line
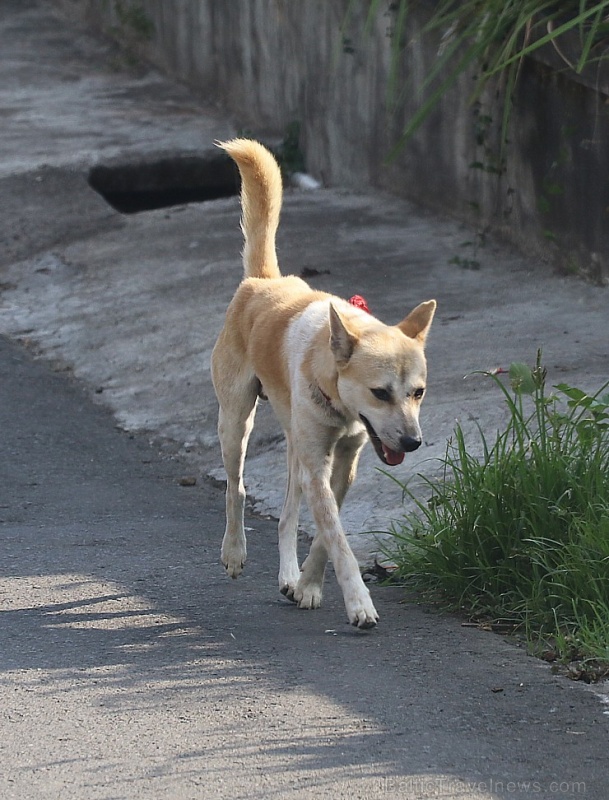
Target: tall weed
x,y
521,532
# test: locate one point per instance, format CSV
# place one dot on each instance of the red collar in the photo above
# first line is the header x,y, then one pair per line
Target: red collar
x,y
358,301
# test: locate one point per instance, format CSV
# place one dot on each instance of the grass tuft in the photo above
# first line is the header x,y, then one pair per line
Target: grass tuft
x,y
521,533
496,35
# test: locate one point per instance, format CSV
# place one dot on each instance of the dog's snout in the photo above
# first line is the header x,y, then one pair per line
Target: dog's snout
x,y
409,443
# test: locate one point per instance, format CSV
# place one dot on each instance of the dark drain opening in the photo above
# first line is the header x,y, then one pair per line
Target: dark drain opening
x,y
165,182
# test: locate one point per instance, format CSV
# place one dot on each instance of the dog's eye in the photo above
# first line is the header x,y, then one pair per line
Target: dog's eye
x,y
382,394
418,393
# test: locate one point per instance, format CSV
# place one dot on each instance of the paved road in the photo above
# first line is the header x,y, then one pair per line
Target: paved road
x,y
130,666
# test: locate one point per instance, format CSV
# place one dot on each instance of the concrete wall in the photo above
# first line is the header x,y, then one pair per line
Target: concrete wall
x,y
271,62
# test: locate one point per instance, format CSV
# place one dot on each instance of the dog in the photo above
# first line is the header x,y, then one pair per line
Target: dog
x,y
335,376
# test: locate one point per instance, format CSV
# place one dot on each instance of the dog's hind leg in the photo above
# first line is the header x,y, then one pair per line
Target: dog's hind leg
x,y
289,571
235,423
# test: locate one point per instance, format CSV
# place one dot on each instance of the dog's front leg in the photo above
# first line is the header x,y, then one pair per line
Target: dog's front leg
x,y
344,464
330,540
309,589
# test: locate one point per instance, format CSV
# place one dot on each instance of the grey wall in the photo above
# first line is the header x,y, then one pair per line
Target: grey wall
x,y
271,62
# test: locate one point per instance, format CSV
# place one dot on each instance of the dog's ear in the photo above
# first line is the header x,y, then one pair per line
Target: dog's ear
x,y
416,325
342,340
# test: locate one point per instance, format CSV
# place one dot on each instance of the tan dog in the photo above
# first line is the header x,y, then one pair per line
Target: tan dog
x,y
334,375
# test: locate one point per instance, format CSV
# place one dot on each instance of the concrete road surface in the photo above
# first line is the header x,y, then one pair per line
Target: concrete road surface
x,y
130,665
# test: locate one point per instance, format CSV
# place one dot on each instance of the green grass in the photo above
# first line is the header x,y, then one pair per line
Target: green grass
x,y
497,35
520,533
494,36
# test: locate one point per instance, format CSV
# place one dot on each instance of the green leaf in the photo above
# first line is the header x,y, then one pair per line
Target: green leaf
x,y
522,379
572,392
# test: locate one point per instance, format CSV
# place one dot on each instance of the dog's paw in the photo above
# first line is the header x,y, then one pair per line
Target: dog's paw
x,y
362,613
307,595
287,590
288,581
233,568
364,619
233,559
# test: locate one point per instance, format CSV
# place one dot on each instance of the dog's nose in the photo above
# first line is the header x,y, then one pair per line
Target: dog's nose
x,y
409,444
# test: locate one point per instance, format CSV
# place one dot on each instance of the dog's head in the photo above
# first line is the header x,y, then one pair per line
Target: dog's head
x,y
382,374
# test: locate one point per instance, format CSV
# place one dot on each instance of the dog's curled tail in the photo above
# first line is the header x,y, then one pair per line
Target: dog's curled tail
x,y
261,194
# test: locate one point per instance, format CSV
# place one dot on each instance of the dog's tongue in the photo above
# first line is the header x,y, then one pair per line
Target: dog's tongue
x,y
392,457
